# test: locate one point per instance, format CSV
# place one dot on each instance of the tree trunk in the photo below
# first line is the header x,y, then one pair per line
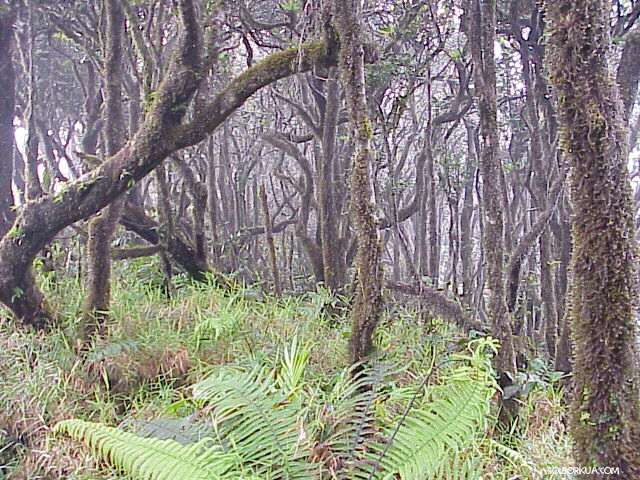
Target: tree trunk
x,y
432,214
603,293
213,204
32,180
7,105
367,304
134,219
326,199
466,227
103,226
628,73
268,226
198,194
542,170
482,37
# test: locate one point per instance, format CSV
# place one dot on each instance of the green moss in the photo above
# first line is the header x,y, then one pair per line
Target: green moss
x,y
286,60
366,130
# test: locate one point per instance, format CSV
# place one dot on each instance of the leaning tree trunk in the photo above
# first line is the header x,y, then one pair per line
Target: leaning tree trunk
x,y
605,413
368,275
482,32
7,104
135,220
39,221
103,226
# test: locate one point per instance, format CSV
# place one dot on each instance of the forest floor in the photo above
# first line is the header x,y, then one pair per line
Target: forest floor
x,y
157,348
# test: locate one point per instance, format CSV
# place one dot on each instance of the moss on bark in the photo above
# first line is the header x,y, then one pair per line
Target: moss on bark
x,y
367,303
103,226
604,419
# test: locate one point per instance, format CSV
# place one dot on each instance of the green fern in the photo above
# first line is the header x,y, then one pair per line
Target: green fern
x,y
258,421
347,416
440,429
466,465
150,458
260,430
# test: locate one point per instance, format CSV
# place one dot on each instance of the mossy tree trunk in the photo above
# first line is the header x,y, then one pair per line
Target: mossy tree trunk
x,y
482,33
367,303
627,78
39,221
603,293
103,226
7,105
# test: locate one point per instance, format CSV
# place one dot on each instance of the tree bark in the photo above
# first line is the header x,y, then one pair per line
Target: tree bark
x,y
482,33
213,204
7,108
604,419
367,303
438,304
542,169
432,213
32,180
103,226
628,73
268,226
181,252
326,198
466,227
198,194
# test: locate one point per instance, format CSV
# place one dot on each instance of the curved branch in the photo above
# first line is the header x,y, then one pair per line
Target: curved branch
x,y
523,247
135,220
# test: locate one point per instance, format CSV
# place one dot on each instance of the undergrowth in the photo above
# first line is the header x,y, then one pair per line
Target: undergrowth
x,y
140,378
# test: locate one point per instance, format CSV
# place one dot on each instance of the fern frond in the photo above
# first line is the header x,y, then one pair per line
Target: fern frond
x,y
260,430
257,421
150,458
350,407
438,430
466,465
